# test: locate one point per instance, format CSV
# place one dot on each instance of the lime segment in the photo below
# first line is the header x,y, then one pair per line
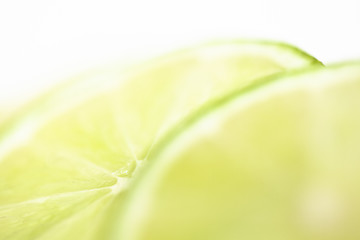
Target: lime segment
x,y
275,162
93,134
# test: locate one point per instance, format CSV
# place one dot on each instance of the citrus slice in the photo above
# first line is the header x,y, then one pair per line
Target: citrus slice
x,y
63,160
275,162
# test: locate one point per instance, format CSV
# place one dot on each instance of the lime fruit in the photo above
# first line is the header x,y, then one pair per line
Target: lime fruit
x,y
276,161
65,158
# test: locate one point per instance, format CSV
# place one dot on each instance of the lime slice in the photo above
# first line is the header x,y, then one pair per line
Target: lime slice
x,y
275,162
63,160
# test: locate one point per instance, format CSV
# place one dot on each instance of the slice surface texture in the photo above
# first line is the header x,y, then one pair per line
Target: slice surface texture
x,y
70,153
275,162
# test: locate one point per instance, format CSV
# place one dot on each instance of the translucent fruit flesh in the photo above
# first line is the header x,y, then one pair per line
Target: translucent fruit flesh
x,y
65,159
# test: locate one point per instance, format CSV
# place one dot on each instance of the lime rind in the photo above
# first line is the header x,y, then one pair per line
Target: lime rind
x,y
75,86
239,93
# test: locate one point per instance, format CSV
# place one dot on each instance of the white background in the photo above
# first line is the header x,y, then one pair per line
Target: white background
x,y
45,41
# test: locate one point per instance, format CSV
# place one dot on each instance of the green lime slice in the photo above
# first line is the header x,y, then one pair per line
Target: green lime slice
x,y
275,162
64,160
